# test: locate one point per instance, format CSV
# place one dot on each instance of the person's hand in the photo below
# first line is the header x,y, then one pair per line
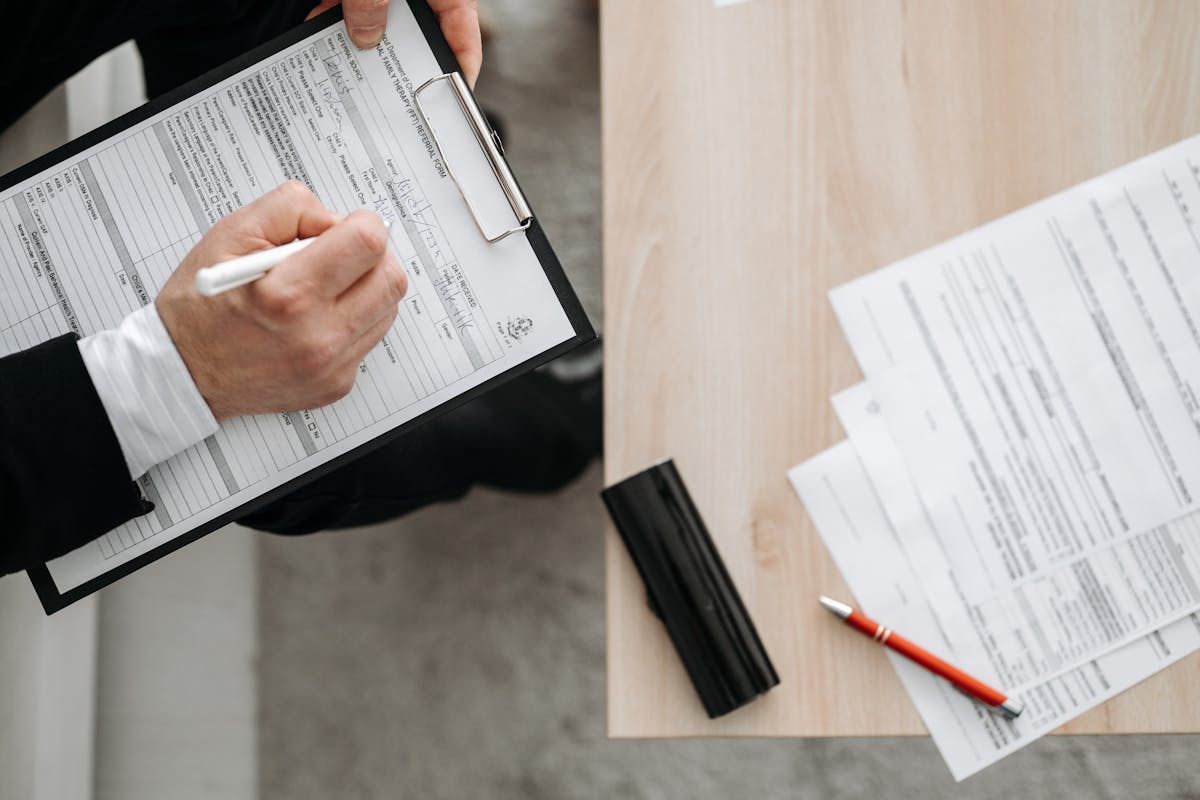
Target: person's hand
x,y
294,338
365,19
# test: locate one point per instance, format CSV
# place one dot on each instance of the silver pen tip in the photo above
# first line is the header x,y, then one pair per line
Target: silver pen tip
x,y
1011,708
834,607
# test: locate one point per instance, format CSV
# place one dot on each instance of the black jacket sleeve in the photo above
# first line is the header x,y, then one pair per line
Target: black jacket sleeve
x,y
63,479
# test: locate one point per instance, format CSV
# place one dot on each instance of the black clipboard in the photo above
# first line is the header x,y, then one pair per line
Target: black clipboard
x,y
51,597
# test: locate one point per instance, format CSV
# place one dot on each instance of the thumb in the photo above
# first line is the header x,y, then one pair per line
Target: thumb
x,y
365,20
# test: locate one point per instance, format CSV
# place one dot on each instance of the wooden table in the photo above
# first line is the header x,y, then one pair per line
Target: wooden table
x,y
755,156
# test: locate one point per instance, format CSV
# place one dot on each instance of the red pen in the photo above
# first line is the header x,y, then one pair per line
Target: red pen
x,y
979,690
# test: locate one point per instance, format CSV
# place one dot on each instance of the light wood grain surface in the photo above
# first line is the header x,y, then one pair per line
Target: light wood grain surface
x,y
755,156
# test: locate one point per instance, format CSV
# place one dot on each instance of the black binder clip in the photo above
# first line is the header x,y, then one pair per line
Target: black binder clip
x,y
688,588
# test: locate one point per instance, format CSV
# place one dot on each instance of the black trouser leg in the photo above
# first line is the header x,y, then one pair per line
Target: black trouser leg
x,y
530,435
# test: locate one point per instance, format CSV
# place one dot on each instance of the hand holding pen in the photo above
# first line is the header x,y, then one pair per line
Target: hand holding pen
x,y
295,338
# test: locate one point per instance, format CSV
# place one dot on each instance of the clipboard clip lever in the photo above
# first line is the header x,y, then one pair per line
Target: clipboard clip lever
x,y
489,142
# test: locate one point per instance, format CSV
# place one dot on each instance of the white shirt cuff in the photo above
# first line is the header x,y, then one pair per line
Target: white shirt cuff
x,y
152,402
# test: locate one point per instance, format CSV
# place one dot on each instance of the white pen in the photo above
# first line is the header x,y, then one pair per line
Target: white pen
x,y
239,271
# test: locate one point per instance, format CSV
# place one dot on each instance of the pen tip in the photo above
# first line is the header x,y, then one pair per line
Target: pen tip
x,y
1012,708
834,607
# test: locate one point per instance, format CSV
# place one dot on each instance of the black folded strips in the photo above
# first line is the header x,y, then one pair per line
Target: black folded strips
x,y
689,589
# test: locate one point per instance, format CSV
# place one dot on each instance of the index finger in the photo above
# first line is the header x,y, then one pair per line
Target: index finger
x,y
365,19
289,211
338,258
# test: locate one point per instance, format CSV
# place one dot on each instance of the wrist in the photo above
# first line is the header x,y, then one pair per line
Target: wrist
x,y
206,380
154,405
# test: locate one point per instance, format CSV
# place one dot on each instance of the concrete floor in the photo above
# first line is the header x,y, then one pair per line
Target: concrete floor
x,y
459,653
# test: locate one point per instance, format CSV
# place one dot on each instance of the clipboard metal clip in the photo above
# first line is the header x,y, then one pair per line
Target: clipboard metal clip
x,y
489,142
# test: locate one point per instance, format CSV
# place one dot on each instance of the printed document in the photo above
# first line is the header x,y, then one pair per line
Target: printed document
x,y
88,241
885,581
1040,374
1048,624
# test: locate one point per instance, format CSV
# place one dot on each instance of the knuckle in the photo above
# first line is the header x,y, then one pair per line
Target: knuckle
x,y
318,353
390,296
336,388
294,190
304,366
287,301
370,235
398,283
325,397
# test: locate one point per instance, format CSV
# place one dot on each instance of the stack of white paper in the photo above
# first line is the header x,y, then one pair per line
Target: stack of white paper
x,y
1019,488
